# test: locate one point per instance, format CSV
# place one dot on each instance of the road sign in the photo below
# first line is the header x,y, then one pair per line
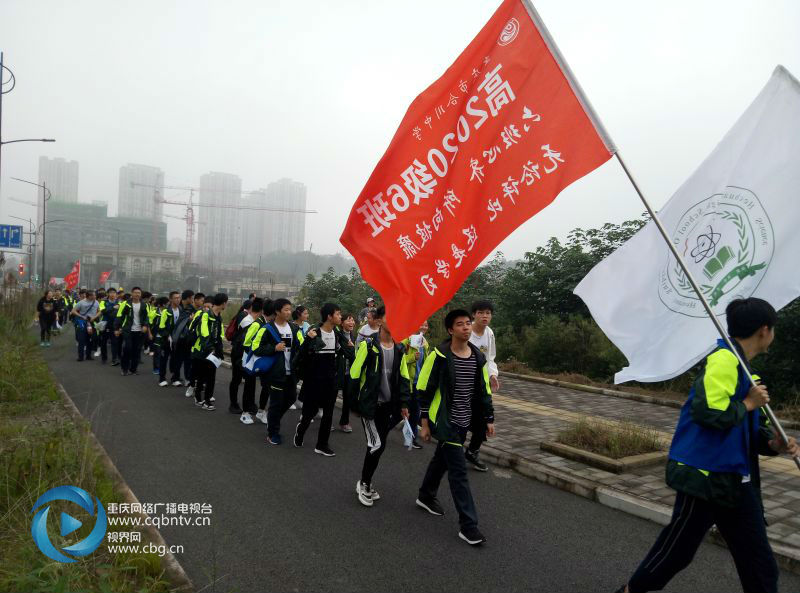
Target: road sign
x,y
10,236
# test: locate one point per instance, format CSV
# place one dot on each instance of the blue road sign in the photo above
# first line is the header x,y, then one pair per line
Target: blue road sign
x,y
10,236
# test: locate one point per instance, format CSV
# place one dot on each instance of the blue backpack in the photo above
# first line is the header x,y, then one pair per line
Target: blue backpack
x,y
257,365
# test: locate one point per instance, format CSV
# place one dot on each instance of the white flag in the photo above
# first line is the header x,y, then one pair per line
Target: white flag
x,y
736,224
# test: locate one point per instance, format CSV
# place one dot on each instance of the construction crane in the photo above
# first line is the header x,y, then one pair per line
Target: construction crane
x,y
190,206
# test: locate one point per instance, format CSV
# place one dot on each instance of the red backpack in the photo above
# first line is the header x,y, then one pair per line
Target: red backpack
x,y
230,331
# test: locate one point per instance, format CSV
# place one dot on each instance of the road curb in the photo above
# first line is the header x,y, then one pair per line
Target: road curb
x,y
172,568
637,397
788,558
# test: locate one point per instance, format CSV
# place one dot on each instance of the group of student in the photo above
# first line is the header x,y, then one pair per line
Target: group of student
x,y
443,392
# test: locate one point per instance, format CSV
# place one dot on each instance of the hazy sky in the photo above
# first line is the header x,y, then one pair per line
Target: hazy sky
x,y
315,90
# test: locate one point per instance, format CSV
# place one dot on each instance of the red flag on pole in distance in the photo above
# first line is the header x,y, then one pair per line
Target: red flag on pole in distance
x,y
104,276
71,279
479,152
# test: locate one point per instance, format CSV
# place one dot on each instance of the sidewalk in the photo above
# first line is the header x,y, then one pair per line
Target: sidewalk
x,y
528,413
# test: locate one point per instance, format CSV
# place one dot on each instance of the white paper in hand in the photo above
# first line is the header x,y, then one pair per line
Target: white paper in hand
x,y
408,434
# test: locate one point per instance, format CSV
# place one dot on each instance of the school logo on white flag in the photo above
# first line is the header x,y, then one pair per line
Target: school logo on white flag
x,y
734,222
727,243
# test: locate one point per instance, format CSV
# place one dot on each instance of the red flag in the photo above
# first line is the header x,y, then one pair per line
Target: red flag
x,y
71,279
104,276
479,152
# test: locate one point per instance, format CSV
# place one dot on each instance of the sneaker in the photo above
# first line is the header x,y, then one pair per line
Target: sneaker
x,y
472,536
363,494
114,363
431,505
234,409
474,460
156,372
189,391
373,494
274,439
151,353
97,353
262,415
319,414
298,438
293,407
185,383
346,428
246,418
326,451
134,372
163,384
47,343
198,403
41,344
212,399
176,383
209,406
415,444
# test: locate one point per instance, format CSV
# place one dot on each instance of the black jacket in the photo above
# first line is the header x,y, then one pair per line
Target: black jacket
x,y
264,345
366,373
124,318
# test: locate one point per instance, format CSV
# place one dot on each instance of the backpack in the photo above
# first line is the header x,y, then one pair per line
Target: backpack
x,y
257,365
230,330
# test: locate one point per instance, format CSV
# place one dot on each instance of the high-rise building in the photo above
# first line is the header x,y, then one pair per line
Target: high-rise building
x,y
137,187
283,227
219,232
61,178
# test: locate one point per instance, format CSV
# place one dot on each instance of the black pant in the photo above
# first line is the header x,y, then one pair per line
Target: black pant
x,y
181,357
382,423
263,397
46,323
106,336
318,393
742,527
281,397
237,375
205,376
131,350
84,342
249,394
163,354
449,458
344,419
478,429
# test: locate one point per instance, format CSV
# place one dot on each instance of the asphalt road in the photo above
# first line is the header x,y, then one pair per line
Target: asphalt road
x,y
285,519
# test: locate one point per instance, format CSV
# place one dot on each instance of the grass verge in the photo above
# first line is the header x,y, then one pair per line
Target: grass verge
x,y
42,447
614,441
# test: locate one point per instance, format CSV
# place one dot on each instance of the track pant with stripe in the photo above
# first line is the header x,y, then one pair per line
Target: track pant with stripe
x,y
742,527
377,431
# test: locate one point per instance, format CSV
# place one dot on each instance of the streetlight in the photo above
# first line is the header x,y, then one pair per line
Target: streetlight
x,y
13,82
31,245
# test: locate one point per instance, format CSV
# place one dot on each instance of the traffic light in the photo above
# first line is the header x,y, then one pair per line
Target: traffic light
x,y
21,269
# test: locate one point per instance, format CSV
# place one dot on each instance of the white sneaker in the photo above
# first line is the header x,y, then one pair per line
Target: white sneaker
x,y
363,494
189,391
373,494
151,353
246,418
185,383
176,383
212,399
163,384
319,414
262,415
293,407
97,352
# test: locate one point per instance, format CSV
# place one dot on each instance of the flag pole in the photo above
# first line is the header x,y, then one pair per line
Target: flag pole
x,y
606,138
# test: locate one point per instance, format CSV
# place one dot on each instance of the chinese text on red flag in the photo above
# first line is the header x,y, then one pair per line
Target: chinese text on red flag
x,y
482,150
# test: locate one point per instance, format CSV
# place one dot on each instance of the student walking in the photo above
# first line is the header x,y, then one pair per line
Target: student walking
x,y
181,341
162,331
130,325
259,312
208,343
453,389
83,316
46,316
281,378
108,311
713,462
483,337
343,362
241,322
318,369
381,382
